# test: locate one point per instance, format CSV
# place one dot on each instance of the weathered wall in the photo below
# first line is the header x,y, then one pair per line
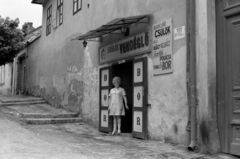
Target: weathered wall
x,y
208,136
66,74
168,114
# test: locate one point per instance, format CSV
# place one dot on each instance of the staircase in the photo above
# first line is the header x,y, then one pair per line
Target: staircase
x,y
21,101
46,118
32,110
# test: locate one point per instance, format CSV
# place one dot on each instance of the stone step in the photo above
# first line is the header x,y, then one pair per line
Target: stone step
x,y
21,100
23,103
48,115
41,121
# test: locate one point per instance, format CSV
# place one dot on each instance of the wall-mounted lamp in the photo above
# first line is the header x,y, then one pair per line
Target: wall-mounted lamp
x,y
84,43
125,31
95,40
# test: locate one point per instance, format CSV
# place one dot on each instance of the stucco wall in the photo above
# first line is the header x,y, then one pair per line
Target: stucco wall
x,y
66,74
208,137
168,114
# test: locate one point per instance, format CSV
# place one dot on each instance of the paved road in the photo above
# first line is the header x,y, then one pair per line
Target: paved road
x,y
77,141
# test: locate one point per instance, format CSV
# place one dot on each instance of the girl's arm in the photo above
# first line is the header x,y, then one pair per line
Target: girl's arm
x,y
109,102
125,100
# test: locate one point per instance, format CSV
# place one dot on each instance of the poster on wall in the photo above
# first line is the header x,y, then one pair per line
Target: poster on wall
x,y
162,47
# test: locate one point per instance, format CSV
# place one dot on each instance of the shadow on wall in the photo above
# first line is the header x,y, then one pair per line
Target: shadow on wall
x,y
209,136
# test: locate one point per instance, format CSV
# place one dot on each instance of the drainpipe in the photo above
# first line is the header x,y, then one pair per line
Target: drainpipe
x,y
191,13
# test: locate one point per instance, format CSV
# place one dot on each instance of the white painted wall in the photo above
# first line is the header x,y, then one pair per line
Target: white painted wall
x,y
208,137
6,76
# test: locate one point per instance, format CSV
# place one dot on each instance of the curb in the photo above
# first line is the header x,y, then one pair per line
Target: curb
x,y
21,100
42,121
23,103
48,115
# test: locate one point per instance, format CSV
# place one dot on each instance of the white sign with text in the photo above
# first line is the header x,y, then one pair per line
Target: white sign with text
x,y
179,32
131,46
162,47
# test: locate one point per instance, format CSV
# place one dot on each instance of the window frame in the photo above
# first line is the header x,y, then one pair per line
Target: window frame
x,y
78,6
59,12
49,21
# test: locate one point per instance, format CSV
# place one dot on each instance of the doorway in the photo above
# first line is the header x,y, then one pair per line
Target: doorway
x,y
228,74
134,77
125,72
21,76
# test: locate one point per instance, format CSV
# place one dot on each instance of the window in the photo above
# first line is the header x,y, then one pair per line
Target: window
x,y
60,11
77,6
49,20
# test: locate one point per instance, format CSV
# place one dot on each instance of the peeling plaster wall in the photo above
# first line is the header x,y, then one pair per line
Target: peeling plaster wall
x,y
168,114
208,137
67,75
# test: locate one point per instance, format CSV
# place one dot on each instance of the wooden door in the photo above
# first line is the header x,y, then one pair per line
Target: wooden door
x,y
105,123
228,74
21,75
140,93
23,79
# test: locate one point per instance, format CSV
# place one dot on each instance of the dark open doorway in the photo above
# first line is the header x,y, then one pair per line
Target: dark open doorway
x,y
125,72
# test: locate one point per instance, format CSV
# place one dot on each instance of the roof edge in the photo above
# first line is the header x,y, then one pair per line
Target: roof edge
x,y
37,2
113,25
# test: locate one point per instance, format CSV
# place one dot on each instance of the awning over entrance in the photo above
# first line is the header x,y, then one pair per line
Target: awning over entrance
x,y
112,26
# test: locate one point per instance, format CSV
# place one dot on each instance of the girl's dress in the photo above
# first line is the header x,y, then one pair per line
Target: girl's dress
x,y
116,105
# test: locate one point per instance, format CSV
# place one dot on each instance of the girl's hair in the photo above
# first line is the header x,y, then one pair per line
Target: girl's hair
x,y
116,79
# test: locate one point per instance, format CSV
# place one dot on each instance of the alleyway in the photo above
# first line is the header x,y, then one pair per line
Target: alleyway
x,y
78,141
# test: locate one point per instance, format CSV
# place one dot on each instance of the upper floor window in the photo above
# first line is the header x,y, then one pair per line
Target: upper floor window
x,y
49,20
60,11
77,6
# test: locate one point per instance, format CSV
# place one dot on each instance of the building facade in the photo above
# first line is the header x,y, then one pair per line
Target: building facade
x,y
164,51
12,75
20,63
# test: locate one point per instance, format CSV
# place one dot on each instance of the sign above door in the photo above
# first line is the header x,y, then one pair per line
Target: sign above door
x,y
128,47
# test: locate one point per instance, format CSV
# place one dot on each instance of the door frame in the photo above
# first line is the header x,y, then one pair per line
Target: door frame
x,y
21,74
110,122
144,134
144,108
223,99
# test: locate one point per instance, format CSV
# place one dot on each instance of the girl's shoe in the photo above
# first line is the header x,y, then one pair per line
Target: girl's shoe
x,y
114,132
119,133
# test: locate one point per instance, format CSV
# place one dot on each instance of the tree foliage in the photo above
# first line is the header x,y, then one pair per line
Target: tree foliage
x,y
11,39
25,29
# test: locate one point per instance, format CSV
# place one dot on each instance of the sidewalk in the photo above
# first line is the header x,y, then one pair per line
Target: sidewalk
x,y
79,140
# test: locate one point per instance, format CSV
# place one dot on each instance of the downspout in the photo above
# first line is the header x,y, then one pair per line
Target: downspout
x,y
25,73
11,82
14,85
191,13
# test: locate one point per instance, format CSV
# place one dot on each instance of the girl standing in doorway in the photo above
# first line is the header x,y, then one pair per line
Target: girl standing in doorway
x,y
116,107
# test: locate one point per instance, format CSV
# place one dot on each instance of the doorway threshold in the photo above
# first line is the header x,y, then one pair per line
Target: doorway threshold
x,y
126,134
